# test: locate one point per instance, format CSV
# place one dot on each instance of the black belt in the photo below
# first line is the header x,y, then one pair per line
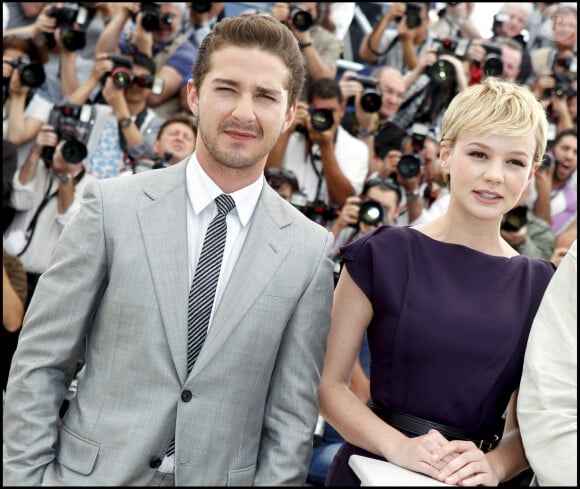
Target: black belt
x,y
419,426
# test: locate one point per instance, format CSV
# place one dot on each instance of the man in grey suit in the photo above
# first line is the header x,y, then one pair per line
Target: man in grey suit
x,y
118,287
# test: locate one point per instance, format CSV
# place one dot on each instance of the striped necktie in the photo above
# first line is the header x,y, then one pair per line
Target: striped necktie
x,y
203,287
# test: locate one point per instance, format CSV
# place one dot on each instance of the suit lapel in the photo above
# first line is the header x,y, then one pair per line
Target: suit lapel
x,y
163,226
261,256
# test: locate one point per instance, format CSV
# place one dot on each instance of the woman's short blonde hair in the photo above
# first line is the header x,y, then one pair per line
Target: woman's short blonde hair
x,y
496,107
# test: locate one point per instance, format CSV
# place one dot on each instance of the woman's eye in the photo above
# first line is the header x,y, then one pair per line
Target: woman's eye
x,y
517,162
477,154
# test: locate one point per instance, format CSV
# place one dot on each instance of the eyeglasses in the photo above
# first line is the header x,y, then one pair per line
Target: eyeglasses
x,y
390,91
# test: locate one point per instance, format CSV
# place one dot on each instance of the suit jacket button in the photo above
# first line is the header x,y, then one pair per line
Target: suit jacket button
x,y
155,463
186,396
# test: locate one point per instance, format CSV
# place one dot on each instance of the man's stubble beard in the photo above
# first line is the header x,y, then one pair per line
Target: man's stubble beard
x,y
234,158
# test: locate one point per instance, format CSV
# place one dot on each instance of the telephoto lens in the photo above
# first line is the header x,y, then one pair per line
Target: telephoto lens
x,y
301,19
73,151
321,118
371,212
409,166
31,74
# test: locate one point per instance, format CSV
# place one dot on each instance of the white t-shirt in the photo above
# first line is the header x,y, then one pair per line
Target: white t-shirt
x,y
38,108
351,154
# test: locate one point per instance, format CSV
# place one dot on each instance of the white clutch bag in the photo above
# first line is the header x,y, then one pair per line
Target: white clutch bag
x,y
373,472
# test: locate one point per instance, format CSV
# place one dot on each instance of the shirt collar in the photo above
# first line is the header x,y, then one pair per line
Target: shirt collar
x,y
202,191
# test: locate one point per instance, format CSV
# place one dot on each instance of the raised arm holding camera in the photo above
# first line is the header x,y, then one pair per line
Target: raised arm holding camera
x,y
46,194
400,47
329,163
124,128
156,33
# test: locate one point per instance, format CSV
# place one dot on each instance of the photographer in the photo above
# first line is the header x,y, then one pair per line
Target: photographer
x,y
431,86
59,31
511,22
124,128
320,49
155,31
502,58
377,205
565,37
401,47
45,195
376,100
559,206
25,110
525,232
175,142
454,20
329,163
558,94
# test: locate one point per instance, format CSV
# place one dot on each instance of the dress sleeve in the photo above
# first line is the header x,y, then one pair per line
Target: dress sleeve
x,y
358,260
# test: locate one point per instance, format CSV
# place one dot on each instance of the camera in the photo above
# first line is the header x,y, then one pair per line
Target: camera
x,y
163,162
201,7
65,118
321,119
565,63
31,74
563,87
371,99
370,213
410,164
413,15
547,161
515,219
152,17
301,19
67,17
315,211
121,73
454,47
492,63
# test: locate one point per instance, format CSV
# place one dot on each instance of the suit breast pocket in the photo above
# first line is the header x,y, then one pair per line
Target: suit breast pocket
x,y
284,291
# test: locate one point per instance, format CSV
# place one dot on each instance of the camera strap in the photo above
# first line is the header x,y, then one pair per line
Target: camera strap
x,y
387,49
47,198
319,174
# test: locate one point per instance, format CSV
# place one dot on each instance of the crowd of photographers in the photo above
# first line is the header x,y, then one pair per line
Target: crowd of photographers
x,y
97,90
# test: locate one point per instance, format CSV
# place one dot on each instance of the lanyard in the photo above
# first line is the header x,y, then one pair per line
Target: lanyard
x,y
47,198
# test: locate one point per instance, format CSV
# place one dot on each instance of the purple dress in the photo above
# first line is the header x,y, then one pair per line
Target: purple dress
x,y
449,330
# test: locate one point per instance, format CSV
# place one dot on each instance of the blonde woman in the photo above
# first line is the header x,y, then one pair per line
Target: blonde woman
x,y
448,306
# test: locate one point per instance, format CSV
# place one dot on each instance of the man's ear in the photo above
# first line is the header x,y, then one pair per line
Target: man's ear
x,y
290,114
192,97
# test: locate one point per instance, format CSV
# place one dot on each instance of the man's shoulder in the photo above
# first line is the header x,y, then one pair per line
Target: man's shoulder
x,y
346,138
154,182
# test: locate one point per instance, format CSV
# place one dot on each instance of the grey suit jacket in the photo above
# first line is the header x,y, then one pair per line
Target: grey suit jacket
x,y
119,279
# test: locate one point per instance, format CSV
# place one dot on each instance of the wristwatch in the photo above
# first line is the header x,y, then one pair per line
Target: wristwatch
x,y
65,177
412,194
125,122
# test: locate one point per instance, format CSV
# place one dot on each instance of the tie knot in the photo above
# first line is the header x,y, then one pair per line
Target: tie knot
x,y
224,203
